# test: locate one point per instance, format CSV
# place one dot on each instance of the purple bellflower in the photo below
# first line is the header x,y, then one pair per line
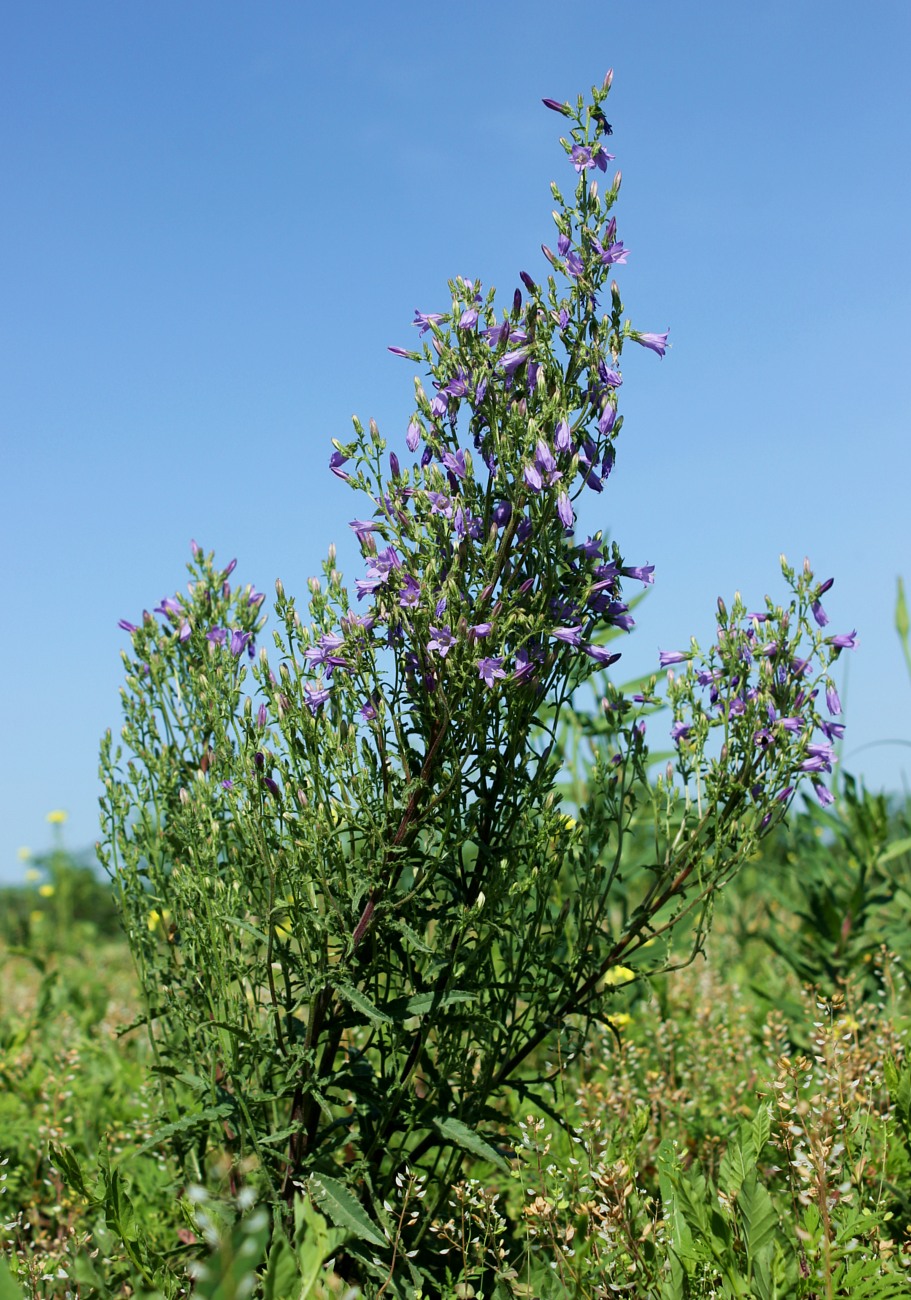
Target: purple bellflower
x,y
490,669
426,320
239,642
441,640
845,641
657,342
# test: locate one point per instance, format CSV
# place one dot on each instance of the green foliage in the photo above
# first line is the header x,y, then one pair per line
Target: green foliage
x,y
837,890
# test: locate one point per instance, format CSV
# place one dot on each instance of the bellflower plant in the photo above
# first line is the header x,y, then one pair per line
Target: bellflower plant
x,y
381,914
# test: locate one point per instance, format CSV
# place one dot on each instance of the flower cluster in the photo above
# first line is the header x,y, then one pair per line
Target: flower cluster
x,y
472,570
191,616
759,687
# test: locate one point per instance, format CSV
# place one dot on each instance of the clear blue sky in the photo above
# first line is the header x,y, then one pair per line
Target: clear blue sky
x,y
215,217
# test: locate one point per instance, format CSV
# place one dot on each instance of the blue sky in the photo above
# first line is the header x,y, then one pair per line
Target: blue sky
x,y
215,217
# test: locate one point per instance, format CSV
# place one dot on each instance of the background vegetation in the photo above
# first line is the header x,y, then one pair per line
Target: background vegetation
x,y
741,1126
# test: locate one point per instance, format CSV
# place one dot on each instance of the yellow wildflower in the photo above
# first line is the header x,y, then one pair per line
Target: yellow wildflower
x,y
32,875
46,891
618,975
57,817
23,854
620,1020
35,918
156,918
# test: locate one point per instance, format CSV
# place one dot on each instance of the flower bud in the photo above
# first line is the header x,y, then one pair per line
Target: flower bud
x,y
332,554
617,182
722,609
593,189
548,254
608,79
375,433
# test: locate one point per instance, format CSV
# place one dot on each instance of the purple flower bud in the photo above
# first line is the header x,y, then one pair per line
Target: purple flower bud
x,y
227,784
394,469
336,460
261,715
533,478
413,436
819,613
528,282
824,587
562,437
833,703
557,107
544,457
565,510
259,761
607,419
127,627
825,797
272,787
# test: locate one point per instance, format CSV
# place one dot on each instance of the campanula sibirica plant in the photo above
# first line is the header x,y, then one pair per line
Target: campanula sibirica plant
x,y
381,918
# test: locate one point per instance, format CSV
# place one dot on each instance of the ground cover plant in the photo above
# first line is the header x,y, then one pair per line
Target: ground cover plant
x,y
396,889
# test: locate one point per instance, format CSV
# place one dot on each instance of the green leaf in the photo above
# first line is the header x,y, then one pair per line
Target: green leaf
x,y
338,1203
896,849
736,1163
362,1003
463,1136
760,1223
194,1123
421,1003
9,1290
64,1159
761,1129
